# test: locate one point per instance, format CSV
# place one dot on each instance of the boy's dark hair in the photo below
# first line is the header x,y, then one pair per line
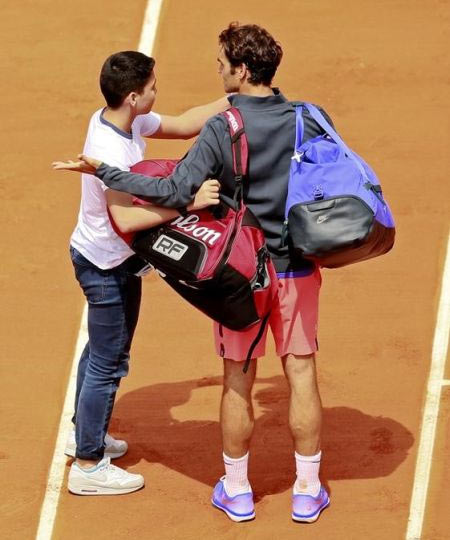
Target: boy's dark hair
x,y
122,73
253,46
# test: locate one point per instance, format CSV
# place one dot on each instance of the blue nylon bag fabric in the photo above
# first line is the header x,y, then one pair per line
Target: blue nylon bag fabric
x,y
324,167
335,211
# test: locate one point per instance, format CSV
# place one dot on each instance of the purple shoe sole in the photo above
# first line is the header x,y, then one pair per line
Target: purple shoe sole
x,y
232,515
306,509
237,508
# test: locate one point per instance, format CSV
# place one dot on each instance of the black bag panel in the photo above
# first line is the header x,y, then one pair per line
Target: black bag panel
x,y
219,211
177,253
228,296
380,241
227,299
370,240
171,251
320,227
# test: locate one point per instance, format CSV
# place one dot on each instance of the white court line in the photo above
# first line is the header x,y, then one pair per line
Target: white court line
x,y
149,26
431,411
59,460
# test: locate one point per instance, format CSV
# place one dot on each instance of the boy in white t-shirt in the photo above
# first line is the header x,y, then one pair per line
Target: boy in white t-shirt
x,y
105,266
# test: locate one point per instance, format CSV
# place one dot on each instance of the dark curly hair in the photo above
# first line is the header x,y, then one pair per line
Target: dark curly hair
x,y
253,46
122,73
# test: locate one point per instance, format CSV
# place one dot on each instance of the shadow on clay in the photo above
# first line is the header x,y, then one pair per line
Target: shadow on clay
x,y
355,445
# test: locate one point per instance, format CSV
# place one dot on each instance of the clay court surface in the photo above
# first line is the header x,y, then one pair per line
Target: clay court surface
x,y
380,69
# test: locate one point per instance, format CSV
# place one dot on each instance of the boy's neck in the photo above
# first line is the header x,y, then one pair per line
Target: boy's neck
x,y
121,118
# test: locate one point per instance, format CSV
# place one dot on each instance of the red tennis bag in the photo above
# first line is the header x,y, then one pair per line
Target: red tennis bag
x,y
215,258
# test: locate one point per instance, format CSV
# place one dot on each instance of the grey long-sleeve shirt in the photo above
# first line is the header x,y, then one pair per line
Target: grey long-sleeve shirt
x,y
270,128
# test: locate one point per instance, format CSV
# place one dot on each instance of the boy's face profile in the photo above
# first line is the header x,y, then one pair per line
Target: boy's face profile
x,y
145,100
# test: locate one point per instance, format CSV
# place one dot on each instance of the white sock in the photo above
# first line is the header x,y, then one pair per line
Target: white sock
x,y
236,480
307,482
90,469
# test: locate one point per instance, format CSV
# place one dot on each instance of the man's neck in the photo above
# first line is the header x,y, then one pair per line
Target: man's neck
x,y
260,90
119,117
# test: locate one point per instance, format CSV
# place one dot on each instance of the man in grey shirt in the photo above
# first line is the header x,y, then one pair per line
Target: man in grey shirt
x,y
248,59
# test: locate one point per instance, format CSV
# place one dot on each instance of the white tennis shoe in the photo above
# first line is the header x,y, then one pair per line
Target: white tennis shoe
x,y
114,448
103,479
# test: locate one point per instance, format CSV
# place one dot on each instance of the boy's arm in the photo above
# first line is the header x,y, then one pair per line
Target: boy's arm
x,y
130,218
203,161
189,123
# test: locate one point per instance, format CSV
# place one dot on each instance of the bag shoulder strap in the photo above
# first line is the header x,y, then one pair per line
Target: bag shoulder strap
x,y
320,119
299,127
239,147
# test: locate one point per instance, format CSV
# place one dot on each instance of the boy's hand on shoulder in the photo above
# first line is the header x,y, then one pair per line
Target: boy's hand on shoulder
x,y
207,195
85,164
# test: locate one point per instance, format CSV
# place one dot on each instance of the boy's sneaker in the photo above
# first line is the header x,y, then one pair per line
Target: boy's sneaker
x,y
238,508
103,479
114,448
307,508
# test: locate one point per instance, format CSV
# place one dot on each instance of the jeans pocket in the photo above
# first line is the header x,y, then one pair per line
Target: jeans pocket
x,y
92,280
79,259
94,283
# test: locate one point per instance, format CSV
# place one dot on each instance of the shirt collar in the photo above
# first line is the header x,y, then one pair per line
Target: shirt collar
x,y
255,102
115,128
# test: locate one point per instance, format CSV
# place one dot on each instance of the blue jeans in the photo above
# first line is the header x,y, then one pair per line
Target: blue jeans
x,y
113,297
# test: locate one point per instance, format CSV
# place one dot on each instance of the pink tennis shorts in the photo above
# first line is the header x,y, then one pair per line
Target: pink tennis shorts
x,y
293,322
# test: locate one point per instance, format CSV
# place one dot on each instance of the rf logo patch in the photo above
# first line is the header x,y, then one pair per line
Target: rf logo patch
x,y
170,247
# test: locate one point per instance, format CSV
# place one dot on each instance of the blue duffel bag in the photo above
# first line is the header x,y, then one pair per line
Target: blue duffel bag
x,y
335,210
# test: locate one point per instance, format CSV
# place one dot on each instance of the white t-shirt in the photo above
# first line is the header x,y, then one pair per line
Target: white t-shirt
x,y
94,236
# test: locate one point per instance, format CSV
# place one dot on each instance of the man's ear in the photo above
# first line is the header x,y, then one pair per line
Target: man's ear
x,y
243,72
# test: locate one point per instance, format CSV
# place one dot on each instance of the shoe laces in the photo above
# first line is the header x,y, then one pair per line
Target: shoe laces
x,y
105,464
115,471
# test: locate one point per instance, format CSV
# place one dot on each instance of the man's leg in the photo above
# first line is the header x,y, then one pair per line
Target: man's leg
x,y
305,422
236,410
305,406
233,493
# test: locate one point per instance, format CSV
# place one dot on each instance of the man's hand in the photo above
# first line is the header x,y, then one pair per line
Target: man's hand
x,y
84,165
207,195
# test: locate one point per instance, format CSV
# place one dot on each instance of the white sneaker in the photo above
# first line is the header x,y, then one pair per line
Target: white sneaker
x,y
103,479
114,448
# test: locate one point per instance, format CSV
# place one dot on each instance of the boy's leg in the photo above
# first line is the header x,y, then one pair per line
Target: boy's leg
x,y
81,371
113,306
